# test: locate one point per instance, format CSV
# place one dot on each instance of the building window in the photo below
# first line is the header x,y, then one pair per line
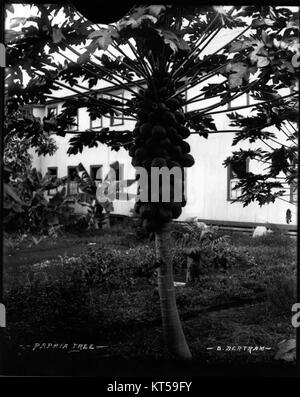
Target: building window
x,y
294,193
72,184
119,170
234,174
52,172
75,120
97,123
185,98
52,111
243,100
26,112
117,119
96,173
247,99
119,174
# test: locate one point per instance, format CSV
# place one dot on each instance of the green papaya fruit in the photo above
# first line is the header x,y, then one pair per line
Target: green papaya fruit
x,y
180,117
181,99
166,143
168,118
140,153
137,207
176,210
132,150
158,131
172,103
177,139
139,141
171,131
184,132
159,162
147,163
145,129
167,206
164,92
142,114
152,117
185,147
147,211
151,144
136,132
187,160
155,82
162,107
172,163
176,152
166,80
149,94
164,214
160,152
136,162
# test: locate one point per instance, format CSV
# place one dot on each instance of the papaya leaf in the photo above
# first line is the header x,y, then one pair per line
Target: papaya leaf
x,y
238,72
156,9
136,19
9,191
57,35
17,21
104,37
170,38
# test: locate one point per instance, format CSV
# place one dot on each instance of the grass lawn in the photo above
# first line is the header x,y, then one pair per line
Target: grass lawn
x,y
224,313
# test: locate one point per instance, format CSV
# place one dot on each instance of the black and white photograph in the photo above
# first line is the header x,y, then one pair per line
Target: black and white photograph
x,y
149,191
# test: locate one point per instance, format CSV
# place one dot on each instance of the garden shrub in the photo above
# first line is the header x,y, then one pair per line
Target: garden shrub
x,y
105,267
74,301
274,239
210,249
281,291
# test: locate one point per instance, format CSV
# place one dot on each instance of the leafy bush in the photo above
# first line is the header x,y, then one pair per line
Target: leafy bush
x,y
26,208
107,290
107,268
209,249
281,292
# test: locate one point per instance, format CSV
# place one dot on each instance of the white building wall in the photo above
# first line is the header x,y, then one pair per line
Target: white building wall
x,y
206,180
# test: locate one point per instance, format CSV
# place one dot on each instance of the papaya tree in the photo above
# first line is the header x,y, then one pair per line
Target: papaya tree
x,y
157,53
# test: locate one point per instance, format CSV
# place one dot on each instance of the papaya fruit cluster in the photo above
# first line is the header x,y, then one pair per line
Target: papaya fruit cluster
x,y
159,141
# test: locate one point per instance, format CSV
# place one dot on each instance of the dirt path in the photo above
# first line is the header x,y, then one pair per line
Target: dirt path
x,y
32,255
49,249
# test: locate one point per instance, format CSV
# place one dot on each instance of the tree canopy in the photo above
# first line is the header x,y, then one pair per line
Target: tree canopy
x,y
261,59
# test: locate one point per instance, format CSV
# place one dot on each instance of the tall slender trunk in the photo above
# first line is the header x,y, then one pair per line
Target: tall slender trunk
x,y
172,328
189,277
106,220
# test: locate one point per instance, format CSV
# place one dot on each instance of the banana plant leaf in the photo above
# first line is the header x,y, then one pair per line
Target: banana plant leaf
x,y
9,191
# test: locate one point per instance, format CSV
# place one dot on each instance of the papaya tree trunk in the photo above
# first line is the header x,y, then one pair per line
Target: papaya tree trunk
x,y
106,220
189,273
173,334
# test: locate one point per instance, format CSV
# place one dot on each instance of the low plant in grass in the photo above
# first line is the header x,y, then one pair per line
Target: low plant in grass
x,y
207,250
281,292
108,268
